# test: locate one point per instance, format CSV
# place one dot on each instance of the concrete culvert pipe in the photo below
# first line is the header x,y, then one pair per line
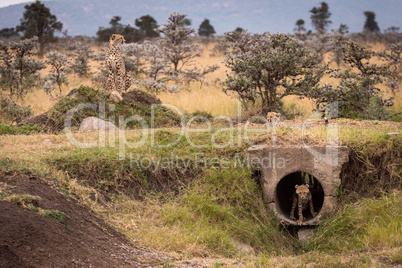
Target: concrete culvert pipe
x,y
285,190
284,167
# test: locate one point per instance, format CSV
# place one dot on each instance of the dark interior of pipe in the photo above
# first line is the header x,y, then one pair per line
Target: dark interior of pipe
x,y
286,188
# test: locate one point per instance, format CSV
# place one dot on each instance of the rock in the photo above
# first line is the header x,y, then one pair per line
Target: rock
x,y
116,97
245,248
93,124
47,142
393,133
304,236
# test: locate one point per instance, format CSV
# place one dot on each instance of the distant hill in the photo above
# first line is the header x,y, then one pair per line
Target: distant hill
x,y
84,17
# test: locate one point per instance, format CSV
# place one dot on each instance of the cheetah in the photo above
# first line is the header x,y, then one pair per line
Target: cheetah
x,y
273,117
301,197
118,78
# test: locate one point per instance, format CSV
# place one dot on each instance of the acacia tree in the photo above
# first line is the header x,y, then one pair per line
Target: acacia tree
x,y
393,55
8,32
343,29
58,63
147,26
133,55
81,53
175,43
370,25
206,29
8,74
18,67
358,94
130,34
338,35
158,62
268,67
320,17
25,64
38,21
300,26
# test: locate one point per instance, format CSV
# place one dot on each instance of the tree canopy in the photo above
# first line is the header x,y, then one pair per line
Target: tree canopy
x,y
38,21
8,32
147,25
206,29
300,26
320,17
267,67
370,25
175,42
358,94
130,34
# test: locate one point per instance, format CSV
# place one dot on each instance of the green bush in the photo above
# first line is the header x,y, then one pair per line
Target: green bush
x,y
55,214
11,110
25,129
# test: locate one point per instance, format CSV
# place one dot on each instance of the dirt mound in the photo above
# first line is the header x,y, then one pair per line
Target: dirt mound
x,y
97,104
42,121
140,97
28,239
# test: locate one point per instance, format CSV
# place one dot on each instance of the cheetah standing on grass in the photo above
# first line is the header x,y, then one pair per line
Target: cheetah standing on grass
x,y
118,78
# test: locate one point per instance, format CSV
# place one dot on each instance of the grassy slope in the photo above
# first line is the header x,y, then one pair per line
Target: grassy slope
x,y
210,211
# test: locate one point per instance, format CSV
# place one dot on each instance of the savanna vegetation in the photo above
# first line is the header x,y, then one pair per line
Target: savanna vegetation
x,y
186,187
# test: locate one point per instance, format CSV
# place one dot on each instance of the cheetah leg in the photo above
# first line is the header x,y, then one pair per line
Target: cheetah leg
x,y
292,211
312,208
119,80
110,84
300,221
127,82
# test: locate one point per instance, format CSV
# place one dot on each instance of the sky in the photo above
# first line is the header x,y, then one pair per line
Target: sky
x,y
4,3
225,15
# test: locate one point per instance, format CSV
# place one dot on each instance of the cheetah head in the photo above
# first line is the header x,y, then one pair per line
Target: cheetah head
x,y
117,39
302,191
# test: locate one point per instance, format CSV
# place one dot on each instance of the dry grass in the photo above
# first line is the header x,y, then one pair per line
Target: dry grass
x,y
207,97
170,225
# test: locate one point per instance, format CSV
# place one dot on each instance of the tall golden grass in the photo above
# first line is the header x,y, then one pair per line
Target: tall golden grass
x,y
208,96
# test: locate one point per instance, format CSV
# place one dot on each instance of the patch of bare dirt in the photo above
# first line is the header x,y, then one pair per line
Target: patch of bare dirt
x,y
28,239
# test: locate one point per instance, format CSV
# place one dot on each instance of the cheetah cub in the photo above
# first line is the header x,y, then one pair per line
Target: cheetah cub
x,y
273,117
117,78
301,197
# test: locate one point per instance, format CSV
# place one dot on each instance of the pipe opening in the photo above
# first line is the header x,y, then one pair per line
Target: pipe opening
x,y
286,188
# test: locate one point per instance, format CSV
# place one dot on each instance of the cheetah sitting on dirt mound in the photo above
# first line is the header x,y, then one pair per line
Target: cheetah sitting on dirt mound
x,y
118,78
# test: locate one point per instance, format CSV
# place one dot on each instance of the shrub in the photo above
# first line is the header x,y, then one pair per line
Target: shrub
x,y
55,214
358,94
24,129
18,68
11,110
267,67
